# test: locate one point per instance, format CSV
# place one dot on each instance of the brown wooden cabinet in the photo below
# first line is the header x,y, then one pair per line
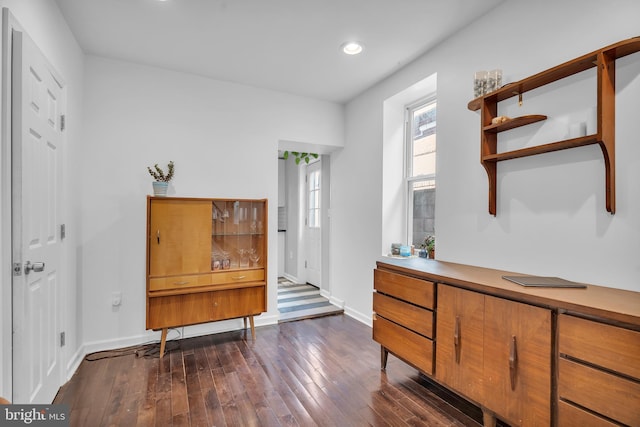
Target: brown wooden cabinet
x,y
496,353
206,261
526,356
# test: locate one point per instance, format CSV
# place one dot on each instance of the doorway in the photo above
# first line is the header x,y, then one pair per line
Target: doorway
x,y
304,222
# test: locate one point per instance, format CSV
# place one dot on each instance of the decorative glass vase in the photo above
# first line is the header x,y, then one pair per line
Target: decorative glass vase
x,y
160,188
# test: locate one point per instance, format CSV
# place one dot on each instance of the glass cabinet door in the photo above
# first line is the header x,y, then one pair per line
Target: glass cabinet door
x,y
238,230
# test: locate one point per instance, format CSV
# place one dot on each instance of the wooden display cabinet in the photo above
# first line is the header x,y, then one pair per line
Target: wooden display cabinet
x,y
206,261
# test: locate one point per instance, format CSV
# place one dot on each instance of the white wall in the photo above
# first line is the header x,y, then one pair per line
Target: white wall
x,y
42,20
223,139
551,211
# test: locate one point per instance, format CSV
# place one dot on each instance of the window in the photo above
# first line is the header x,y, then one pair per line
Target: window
x,y
421,170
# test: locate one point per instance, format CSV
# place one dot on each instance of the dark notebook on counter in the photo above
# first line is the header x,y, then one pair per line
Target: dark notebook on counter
x,y
543,282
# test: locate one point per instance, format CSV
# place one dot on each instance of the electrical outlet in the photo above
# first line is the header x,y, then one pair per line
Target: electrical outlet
x,y
116,299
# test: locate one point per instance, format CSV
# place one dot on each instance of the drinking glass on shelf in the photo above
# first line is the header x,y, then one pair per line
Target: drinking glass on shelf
x,y
244,257
254,257
225,260
479,83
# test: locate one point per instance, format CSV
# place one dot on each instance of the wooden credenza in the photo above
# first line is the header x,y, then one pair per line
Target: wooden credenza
x,y
206,261
529,357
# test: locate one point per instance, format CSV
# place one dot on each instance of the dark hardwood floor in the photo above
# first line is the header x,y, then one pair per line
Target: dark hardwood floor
x,y
323,371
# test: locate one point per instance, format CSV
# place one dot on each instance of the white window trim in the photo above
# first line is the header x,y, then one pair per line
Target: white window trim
x,y
408,161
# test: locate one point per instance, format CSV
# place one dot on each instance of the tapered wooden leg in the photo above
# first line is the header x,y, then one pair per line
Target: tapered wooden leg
x,y
253,328
163,341
384,355
245,322
488,418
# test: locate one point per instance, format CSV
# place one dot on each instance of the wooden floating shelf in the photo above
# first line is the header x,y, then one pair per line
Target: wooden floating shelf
x,y
569,68
604,61
515,123
540,149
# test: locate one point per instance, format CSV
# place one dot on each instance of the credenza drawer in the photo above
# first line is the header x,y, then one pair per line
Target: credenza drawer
x,y
572,416
417,319
416,291
179,282
599,391
610,347
222,277
189,309
407,345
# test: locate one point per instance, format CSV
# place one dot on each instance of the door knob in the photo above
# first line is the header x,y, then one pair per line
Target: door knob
x,y
36,266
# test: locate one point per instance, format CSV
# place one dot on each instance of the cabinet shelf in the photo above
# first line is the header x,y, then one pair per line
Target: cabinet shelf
x,y
516,122
569,68
604,61
540,149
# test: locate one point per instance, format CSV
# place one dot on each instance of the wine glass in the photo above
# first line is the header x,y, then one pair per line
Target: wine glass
x,y
254,257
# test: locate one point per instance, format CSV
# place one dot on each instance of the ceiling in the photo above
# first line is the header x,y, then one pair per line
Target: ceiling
x,y
291,46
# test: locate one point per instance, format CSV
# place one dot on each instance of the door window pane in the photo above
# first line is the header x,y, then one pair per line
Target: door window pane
x,y
313,214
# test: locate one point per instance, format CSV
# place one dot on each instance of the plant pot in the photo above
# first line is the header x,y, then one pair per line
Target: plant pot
x,y
160,188
432,254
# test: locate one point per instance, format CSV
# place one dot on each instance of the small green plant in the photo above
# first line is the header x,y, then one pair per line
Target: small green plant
x,y
429,243
300,156
159,175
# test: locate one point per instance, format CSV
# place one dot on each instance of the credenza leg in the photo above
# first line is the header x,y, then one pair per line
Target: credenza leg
x,y
384,355
253,328
488,418
163,341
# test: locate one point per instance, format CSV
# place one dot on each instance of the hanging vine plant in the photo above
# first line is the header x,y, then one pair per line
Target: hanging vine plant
x,y
300,156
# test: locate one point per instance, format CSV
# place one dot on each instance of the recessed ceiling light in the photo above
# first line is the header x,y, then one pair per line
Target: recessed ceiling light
x,y
351,48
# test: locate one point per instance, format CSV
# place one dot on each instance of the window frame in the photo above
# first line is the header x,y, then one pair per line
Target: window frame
x,y
409,179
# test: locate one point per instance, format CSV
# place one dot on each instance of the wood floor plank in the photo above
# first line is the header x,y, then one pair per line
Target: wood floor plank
x,y
179,401
316,372
215,414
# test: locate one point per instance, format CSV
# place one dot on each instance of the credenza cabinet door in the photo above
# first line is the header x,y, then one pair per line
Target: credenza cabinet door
x,y
517,362
179,237
459,341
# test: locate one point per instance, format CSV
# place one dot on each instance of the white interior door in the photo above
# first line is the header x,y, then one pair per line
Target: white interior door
x,y
313,225
36,153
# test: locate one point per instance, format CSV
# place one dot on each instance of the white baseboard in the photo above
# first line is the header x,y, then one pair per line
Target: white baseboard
x,y
151,337
336,301
74,362
291,278
366,319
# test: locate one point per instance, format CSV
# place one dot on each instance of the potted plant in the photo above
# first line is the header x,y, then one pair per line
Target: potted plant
x,y
161,182
430,245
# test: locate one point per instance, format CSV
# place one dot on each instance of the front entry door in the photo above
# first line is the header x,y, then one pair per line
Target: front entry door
x,y
313,240
36,171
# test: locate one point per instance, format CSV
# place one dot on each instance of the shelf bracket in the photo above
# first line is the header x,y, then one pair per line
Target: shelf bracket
x,y
489,146
607,124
